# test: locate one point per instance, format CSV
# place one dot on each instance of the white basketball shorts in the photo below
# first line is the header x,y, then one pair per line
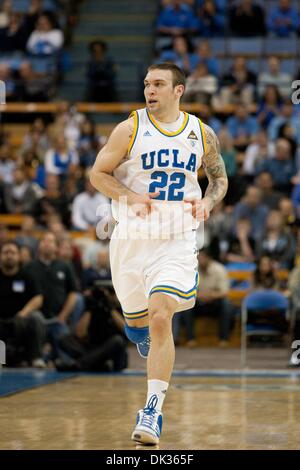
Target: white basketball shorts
x,y
141,267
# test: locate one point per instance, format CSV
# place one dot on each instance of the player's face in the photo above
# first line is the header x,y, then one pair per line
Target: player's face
x,y
159,91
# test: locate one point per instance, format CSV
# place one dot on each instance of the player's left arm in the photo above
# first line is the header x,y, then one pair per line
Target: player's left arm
x,y
214,168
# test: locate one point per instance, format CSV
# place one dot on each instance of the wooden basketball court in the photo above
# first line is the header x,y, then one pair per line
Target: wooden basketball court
x,y
225,411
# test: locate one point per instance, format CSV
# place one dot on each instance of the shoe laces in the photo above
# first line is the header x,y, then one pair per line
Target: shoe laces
x,y
146,341
149,411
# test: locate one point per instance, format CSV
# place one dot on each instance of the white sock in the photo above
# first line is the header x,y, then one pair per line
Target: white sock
x,y
158,388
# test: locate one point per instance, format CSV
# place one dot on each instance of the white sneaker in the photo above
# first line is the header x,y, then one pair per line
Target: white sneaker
x,y
148,424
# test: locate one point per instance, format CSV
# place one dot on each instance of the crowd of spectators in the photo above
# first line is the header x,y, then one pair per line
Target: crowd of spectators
x,y
32,36
46,180
215,18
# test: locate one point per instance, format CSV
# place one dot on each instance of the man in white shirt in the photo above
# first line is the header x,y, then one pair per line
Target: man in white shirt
x,y
85,206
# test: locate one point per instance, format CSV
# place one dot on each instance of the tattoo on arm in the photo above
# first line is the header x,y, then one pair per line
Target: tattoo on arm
x,y
214,168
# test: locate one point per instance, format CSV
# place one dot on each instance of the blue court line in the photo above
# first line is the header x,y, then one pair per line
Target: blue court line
x,y
224,373
14,381
17,380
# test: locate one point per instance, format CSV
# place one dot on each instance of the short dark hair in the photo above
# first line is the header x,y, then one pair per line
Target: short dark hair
x,y
177,73
9,242
97,42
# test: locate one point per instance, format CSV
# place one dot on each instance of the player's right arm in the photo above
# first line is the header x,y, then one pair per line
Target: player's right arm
x,y
108,159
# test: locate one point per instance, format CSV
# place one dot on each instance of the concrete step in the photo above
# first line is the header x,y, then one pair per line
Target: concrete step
x,y
113,29
119,6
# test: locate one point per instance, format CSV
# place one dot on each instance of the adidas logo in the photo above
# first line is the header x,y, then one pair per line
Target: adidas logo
x,y
192,135
147,134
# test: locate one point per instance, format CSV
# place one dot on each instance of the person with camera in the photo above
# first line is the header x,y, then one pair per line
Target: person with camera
x,y
98,344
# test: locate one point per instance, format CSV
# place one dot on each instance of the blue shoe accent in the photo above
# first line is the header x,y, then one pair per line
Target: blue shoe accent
x,y
144,347
148,424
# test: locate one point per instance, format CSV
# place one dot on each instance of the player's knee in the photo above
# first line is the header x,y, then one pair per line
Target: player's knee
x,y
159,323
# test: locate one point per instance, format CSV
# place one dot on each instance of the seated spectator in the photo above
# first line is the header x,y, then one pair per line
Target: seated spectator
x,y
283,19
6,76
212,18
218,229
69,121
288,214
21,326
6,9
56,227
265,183
46,39
287,132
21,196
69,253
34,86
265,274
98,343
247,18
257,152
294,289
13,37
85,207
53,201
269,106
238,85
204,55
181,54
62,305
281,167
100,74
212,292
296,199
27,235
99,271
251,207
274,76
177,18
36,139
239,248
286,117
26,255
200,86
209,118
59,160
7,164
89,144
35,10
228,153
276,242
242,127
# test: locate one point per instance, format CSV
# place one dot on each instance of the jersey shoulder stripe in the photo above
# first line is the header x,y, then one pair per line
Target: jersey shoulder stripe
x,y
135,116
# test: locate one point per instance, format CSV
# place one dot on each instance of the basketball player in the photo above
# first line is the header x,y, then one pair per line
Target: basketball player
x,y
151,162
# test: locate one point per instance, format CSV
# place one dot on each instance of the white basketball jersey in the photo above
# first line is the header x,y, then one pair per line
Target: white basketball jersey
x,y
168,162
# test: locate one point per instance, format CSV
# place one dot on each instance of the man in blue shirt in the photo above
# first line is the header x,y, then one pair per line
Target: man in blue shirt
x,y
242,127
281,167
284,19
177,18
252,208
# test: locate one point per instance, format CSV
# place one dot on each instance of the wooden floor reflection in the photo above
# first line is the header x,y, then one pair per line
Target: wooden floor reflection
x,y
98,412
